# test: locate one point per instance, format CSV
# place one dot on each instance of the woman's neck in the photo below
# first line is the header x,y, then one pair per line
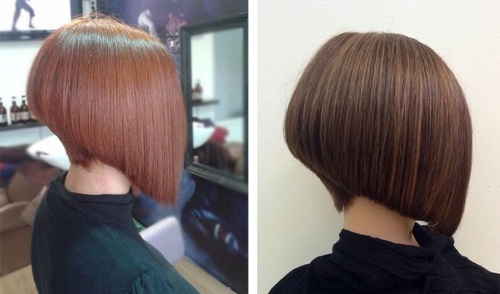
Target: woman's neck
x,y
366,217
96,179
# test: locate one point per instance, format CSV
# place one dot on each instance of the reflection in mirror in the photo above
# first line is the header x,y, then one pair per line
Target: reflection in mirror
x,y
217,81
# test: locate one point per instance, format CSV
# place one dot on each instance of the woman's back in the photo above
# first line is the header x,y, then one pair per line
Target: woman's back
x,y
384,124
89,244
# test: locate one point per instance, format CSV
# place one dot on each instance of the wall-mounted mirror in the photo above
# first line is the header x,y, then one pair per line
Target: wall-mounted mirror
x,y
215,86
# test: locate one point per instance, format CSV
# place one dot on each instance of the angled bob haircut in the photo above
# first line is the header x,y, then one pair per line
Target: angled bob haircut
x,y
381,116
111,94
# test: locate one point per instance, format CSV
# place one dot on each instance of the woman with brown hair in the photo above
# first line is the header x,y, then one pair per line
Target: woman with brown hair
x,y
111,95
384,124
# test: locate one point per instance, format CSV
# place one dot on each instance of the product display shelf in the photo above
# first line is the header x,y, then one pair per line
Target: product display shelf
x,y
21,126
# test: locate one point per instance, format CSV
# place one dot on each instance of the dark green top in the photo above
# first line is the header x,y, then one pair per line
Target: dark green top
x,y
89,244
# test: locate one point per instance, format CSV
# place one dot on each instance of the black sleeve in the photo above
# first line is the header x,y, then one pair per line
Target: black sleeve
x,y
293,282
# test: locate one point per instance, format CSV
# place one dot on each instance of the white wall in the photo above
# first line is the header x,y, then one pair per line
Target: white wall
x,y
202,63
15,62
296,217
217,60
228,55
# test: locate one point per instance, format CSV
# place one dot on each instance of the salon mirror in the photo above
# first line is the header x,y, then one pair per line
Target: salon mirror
x,y
214,78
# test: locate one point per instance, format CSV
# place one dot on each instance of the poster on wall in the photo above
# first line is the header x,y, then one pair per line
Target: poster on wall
x,y
164,18
35,19
24,15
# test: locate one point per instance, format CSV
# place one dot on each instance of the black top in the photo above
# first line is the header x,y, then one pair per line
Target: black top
x,y
89,244
362,264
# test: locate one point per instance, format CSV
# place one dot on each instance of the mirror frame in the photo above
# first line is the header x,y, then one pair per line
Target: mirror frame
x,y
220,177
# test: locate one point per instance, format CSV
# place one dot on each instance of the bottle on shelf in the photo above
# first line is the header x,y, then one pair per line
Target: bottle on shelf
x,y
24,111
3,115
197,91
32,116
14,112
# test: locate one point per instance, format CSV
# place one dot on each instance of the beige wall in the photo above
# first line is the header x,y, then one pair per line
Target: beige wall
x,y
296,217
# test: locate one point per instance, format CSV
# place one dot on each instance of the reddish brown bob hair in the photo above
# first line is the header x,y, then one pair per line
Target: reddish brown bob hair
x,y
111,93
381,116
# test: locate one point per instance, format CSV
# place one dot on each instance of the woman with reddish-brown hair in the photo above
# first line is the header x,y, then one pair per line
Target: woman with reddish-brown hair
x,y
384,124
112,96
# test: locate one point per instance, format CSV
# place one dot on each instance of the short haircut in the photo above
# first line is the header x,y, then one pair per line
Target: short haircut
x,y
111,93
381,116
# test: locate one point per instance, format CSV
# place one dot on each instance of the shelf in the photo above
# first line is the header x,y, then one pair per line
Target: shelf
x,y
21,126
204,102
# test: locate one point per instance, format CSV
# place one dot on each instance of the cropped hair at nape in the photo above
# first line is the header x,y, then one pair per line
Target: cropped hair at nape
x,y
111,93
381,116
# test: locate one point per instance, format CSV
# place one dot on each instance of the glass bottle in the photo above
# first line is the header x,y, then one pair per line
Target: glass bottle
x,y
3,115
14,112
25,112
32,116
199,90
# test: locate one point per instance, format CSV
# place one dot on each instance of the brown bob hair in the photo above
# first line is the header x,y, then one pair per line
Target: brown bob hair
x,y
111,93
381,116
